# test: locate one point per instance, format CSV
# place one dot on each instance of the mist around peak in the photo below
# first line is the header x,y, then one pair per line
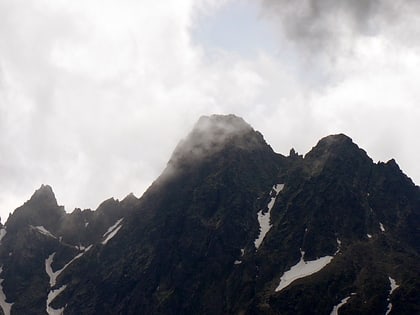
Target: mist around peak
x,y
212,134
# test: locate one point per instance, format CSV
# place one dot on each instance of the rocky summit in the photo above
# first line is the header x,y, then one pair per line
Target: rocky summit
x,y
230,227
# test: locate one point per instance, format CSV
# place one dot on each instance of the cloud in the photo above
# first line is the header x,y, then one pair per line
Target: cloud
x,y
84,88
95,95
331,25
210,135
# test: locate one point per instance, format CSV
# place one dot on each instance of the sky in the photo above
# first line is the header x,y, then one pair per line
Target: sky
x,y
96,94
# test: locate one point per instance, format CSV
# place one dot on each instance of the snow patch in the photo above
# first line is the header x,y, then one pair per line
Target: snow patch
x,y
393,286
302,269
5,306
43,230
264,218
337,307
112,231
51,296
237,262
242,251
369,235
2,233
381,226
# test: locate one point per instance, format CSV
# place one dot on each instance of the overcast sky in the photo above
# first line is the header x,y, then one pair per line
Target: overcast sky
x,y
95,94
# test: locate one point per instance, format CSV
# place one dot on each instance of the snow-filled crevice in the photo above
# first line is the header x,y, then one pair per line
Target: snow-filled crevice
x,y
338,246
5,306
42,230
51,296
306,268
238,262
112,231
393,286
53,293
381,226
264,217
54,274
339,305
302,269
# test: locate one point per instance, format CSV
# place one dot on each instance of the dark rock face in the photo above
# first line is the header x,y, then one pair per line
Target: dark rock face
x,y
341,229
40,228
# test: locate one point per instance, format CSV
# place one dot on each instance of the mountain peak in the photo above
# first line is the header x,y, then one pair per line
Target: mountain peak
x,y
337,152
218,129
213,133
336,138
335,141
40,210
338,144
228,123
44,194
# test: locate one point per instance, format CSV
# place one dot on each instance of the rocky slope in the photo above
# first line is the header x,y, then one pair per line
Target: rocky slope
x,y
230,227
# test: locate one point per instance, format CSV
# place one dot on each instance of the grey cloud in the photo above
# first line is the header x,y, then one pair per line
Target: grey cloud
x,y
327,25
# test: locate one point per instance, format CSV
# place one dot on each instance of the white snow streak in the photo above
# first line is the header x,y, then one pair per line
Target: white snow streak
x,y
5,306
369,235
338,247
53,279
393,286
238,262
302,269
112,231
51,296
54,274
264,218
381,226
43,230
337,307
49,270
2,233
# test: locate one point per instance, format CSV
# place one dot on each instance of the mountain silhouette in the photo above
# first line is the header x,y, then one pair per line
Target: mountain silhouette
x,y
229,227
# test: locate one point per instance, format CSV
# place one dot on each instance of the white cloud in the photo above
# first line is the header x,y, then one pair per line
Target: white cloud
x,y
95,95
87,89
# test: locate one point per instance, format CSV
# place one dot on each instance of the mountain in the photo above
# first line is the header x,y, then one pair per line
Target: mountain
x,y
230,227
